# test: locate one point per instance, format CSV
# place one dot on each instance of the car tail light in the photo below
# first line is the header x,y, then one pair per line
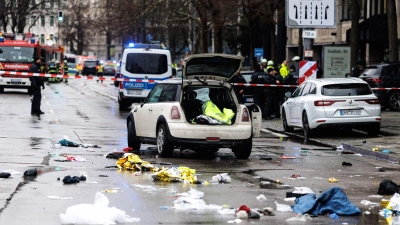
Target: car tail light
x,y
326,102
175,115
245,115
374,79
371,101
212,138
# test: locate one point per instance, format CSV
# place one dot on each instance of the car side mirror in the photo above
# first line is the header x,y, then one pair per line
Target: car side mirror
x,y
288,94
141,104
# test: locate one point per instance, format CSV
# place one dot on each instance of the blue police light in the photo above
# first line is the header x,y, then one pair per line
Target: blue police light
x,y
1,39
114,61
32,41
131,45
101,61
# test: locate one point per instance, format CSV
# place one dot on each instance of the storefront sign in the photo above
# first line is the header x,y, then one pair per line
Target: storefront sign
x,y
336,61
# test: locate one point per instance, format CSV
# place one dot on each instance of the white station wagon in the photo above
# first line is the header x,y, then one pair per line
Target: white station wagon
x,y
173,114
332,102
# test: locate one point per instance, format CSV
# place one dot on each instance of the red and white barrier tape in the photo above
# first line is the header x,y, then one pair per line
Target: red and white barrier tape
x,y
264,85
29,74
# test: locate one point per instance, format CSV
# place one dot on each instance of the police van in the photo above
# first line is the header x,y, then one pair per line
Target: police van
x,y
142,66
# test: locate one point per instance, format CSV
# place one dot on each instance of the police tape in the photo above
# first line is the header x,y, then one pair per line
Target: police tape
x,y
29,74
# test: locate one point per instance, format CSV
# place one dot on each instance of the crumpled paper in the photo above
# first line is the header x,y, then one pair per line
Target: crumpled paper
x,y
131,161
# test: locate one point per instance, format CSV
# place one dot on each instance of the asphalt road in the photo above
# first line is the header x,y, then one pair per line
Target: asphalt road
x,y
87,112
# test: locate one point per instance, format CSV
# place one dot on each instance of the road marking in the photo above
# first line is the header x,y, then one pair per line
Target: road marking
x,y
273,133
100,92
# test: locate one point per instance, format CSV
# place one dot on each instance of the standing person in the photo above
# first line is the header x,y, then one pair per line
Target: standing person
x,y
264,65
258,77
36,83
238,78
52,69
284,71
355,71
99,71
65,70
270,64
269,94
320,72
278,95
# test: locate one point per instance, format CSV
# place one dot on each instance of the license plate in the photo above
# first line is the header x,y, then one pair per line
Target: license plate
x,y
350,112
249,100
16,80
134,92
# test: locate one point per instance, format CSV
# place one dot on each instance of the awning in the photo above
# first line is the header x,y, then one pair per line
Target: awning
x,y
373,29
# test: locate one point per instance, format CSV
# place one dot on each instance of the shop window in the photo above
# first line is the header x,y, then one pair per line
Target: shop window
x,y
42,21
42,39
52,21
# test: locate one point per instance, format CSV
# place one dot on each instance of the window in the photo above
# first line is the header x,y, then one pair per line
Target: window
x,y
33,20
298,90
51,36
142,63
52,21
306,89
42,39
42,21
51,4
377,7
313,89
346,89
154,94
168,93
42,4
346,9
65,3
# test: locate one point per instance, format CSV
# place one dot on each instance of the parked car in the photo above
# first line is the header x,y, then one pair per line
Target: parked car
x,y
109,70
248,91
332,102
89,67
170,115
384,75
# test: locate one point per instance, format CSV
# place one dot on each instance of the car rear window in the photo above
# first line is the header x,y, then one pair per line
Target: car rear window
x,y
346,89
369,71
90,63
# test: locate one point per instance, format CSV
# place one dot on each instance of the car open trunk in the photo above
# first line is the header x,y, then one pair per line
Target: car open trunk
x,y
194,97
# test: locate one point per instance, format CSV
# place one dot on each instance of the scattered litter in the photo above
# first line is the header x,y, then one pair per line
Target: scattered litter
x,y
115,155
61,198
65,142
97,213
366,202
333,200
245,212
303,190
73,180
180,174
347,164
101,175
132,161
191,201
235,221
386,151
261,197
339,148
299,218
221,178
128,149
57,146
77,158
333,180
283,207
387,187
268,211
334,216
265,158
31,172
287,157
375,196
163,207
5,175
12,172
367,212
226,211
110,191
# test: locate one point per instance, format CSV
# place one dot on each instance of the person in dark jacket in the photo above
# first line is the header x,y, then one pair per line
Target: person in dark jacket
x,y
238,78
258,77
355,72
36,84
278,96
269,93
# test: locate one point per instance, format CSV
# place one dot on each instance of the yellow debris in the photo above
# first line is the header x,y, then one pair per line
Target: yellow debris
x,y
333,180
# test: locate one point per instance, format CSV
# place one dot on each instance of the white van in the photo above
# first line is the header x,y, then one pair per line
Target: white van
x,y
142,68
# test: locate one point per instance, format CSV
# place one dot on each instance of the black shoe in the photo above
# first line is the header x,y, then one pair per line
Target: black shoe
x,y
32,113
41,112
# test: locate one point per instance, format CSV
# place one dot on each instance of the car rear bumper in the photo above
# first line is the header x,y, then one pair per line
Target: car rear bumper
x,y
131,98
229,133
345,122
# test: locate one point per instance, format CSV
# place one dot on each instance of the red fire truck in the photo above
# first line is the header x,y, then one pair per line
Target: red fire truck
x,y
17,53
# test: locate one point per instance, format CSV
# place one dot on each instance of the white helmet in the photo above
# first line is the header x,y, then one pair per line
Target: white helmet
x,y
57,61
263,60
270,63
296,58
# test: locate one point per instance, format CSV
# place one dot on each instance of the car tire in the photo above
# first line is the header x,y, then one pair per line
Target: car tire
x,y
286,127
132,138
308,132
123,105
116,83
393,101
243,151
164,146
2,90
374,130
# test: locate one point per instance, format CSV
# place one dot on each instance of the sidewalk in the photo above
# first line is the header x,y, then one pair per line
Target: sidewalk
x,y
388,138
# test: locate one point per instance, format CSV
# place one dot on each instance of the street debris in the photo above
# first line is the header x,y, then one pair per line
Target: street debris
x,y
73,180
221,178
97,213
58,197
176,174
299,218
244,212
283,207
261,197
387,187
333,180
347,164
132,161
5,175
331,201
30,173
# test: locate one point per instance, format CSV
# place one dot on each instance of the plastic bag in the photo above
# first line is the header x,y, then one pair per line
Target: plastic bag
x,y
395,202
223,178
299,218
203,94
283,207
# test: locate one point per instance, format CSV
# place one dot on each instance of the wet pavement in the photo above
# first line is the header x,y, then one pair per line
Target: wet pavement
x,y
88,113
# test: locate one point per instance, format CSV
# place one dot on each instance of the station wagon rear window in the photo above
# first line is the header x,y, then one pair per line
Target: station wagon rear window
x,y
143,63
346,89
212,66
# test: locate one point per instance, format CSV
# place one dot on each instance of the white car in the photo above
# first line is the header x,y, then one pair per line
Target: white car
x,y
332,102
170,116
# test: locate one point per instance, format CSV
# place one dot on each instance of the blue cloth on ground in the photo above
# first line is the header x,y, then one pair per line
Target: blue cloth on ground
x,y
331,201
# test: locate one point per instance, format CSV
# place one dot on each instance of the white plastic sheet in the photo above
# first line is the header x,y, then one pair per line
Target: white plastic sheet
x,y
97,213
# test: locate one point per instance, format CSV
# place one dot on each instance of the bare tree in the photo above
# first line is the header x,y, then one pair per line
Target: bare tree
x,y
393,39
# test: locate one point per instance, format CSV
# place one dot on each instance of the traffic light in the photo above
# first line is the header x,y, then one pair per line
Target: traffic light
x,y
60,16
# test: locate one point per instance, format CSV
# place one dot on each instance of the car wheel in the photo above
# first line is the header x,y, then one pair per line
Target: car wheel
x,y
243,151
164,146
286,127
393,101
308,132
132,138
373,131
116,83
123,105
